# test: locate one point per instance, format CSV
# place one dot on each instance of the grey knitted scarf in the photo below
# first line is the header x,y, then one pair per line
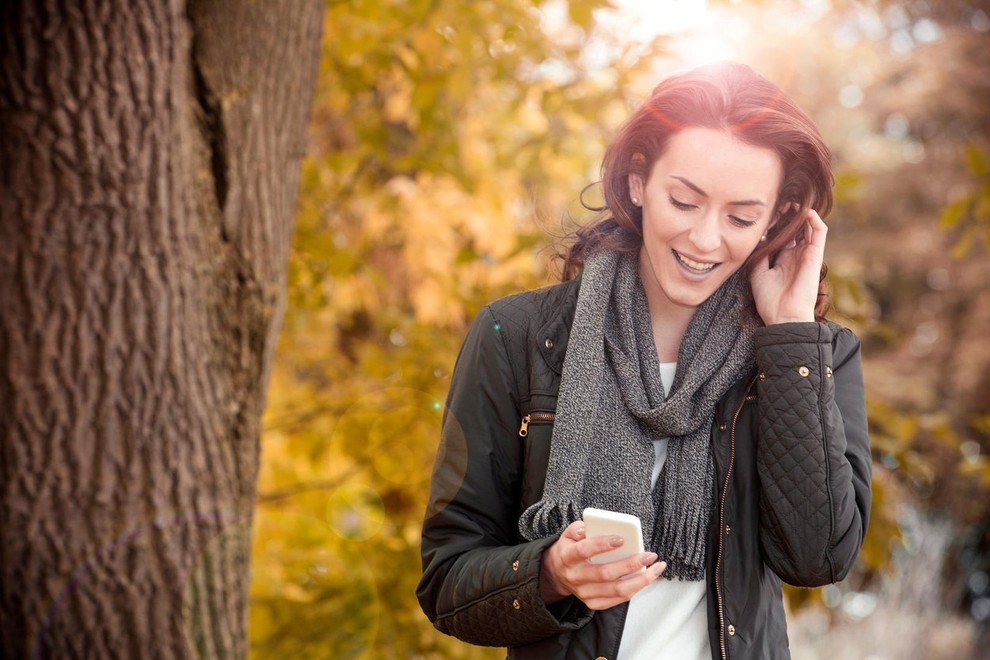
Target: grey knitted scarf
x,y
612,405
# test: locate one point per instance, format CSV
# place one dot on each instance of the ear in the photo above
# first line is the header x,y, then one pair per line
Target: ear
x,y
787,206
635,185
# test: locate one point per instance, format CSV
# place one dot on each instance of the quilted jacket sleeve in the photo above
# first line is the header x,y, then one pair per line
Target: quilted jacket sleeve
x,y
480,579
813,455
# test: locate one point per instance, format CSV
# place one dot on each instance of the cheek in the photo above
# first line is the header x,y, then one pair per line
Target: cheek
x,y
659,227
648,229
743,249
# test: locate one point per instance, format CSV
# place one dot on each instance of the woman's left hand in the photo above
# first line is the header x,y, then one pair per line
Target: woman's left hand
x,y
789,291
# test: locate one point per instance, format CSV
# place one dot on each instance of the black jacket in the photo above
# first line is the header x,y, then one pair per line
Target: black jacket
x,y
792,463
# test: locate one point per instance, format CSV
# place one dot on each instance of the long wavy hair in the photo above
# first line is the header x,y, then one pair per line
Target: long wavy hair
x,y
726,96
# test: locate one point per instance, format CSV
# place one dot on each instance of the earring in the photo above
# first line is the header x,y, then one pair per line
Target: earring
x,y
635,200
764,237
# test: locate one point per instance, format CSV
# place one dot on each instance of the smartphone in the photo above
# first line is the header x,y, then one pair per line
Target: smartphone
x,y
599,522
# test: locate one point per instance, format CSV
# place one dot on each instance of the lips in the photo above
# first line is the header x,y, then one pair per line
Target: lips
x,y
699,267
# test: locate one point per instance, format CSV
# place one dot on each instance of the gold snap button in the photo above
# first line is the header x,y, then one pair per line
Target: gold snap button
x,y
732,629
727,529
601,657
828,372
548,343
804,371
515,565
516,604
762,376
721,427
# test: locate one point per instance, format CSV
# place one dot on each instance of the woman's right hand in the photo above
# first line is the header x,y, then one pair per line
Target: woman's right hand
x,y
566,570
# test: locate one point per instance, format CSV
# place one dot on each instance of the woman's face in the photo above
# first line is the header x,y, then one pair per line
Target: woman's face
x,y
706,203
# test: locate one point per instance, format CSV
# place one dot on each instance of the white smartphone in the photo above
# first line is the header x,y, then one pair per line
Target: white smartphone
x,y
599,522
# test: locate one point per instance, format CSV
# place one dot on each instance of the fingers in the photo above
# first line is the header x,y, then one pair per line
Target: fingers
x,y
811,235
588,548
817,229
602,595
613,582
810,252
567,569
785,209
816,220
574,531
622,569
579,550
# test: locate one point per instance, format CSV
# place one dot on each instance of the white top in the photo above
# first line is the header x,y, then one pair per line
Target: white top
x,y
668,618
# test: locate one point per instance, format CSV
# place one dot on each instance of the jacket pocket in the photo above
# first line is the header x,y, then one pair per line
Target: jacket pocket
x,y
535,432
535,417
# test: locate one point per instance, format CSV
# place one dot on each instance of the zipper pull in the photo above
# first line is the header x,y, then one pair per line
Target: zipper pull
x,y
524,427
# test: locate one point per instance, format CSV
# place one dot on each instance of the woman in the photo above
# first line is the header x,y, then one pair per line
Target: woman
x,y
687,376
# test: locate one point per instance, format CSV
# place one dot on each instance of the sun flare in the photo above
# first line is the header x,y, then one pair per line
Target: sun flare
x,y
648,18
698,33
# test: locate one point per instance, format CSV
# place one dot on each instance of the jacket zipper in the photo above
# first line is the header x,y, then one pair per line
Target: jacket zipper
x,y
721,522
534,417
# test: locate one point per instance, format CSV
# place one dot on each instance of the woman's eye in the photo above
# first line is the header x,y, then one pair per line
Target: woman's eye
x,y
741,222
684,206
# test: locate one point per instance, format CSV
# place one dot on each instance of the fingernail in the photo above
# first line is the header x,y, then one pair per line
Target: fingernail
x,y
649,558
580,531
615,541
660,568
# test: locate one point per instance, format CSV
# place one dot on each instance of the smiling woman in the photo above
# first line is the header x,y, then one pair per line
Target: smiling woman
x,y
705,205
686,377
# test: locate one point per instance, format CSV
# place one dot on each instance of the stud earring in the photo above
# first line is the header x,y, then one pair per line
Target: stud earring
x,y
763,238
635,200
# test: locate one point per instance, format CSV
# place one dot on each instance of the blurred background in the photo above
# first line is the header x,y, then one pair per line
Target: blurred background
x,y
449,145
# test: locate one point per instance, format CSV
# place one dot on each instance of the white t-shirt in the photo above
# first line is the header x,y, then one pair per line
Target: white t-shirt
x,y
668,618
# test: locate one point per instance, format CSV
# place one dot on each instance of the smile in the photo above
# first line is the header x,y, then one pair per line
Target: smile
x,y
692,265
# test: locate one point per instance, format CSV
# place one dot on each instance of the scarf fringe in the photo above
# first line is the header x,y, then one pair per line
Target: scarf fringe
x,y
683,545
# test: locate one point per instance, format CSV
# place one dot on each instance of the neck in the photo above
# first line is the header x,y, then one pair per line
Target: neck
x,y
667,334
669,320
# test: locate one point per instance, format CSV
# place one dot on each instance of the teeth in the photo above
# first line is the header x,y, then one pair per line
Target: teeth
x,y
694,265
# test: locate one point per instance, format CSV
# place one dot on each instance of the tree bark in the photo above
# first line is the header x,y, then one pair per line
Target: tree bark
x,y
149,169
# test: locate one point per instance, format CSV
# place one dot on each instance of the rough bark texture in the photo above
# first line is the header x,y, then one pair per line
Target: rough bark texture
x,y
149,161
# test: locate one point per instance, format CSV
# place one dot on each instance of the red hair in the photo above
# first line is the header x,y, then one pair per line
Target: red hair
x,y
724,96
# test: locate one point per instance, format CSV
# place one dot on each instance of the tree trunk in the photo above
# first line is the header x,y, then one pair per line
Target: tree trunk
x,y
149,168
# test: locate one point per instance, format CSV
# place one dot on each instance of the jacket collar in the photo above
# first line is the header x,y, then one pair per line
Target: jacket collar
x,y
554,333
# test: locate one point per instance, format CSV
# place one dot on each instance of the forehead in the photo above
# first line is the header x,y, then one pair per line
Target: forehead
x,y
721,165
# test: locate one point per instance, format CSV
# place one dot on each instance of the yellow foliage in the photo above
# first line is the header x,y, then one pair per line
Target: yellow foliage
x,y
436,155
441,164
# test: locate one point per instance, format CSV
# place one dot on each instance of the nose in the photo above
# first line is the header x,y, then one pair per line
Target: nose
x,y
705,235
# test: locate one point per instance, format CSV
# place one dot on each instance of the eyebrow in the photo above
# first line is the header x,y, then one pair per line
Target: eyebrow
x,y
695,188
